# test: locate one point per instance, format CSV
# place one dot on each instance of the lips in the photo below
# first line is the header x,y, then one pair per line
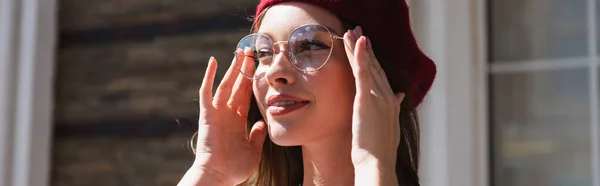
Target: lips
x,y
282,104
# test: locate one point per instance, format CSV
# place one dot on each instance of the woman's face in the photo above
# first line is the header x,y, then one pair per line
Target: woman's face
x,y
322,100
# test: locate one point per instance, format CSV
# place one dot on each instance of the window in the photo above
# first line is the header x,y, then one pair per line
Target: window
x,y
543,92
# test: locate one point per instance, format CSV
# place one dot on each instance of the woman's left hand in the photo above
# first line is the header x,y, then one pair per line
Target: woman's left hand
x,y
375,120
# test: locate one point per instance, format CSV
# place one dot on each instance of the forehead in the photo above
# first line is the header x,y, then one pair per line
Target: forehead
x,y
281,19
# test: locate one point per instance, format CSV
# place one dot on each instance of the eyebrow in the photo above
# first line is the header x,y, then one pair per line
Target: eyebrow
x,y
333,31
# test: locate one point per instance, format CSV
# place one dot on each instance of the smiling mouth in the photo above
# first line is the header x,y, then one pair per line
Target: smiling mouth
x,y
285,106
287,102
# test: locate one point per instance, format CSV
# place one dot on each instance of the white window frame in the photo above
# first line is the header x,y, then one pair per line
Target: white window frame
x,y
27,49
455,125
590,62
593,8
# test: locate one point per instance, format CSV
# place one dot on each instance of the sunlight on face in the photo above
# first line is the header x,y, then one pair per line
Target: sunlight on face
x,y
304,107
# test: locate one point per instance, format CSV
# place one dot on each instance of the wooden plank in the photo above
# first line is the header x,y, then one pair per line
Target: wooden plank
x,y
93,14
151,127
137,80
153,30
104,161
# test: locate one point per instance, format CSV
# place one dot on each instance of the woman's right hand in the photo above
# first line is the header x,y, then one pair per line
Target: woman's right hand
x,y
223,149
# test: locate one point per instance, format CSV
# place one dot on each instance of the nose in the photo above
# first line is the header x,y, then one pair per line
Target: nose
x,y
281,71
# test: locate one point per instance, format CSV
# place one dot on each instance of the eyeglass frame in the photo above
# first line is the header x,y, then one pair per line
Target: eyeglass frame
x,y
332,37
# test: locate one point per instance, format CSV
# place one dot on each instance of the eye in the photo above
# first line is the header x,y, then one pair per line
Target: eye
x,y
264,53
314,45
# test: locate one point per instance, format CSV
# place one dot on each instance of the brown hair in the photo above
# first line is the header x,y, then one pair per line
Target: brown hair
x,y
281,165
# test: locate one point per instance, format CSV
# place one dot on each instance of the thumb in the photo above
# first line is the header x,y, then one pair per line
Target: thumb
x,y
258,134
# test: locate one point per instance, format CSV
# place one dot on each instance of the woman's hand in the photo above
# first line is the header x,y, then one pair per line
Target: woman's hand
x,y
375,120
224,152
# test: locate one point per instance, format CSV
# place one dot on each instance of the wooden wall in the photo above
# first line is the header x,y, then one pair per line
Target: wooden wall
x,y
128,74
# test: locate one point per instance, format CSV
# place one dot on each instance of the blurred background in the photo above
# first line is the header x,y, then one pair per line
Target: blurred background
x,y
104,92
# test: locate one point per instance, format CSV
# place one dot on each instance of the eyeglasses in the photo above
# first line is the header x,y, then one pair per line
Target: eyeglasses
x,y
309,47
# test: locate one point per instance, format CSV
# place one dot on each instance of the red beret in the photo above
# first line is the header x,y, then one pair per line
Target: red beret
x,y
386,23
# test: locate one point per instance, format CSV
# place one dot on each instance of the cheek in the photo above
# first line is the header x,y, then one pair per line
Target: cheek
x,y
335,84
342,72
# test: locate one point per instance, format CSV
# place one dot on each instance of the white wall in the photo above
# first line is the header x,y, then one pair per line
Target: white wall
x,y
453,115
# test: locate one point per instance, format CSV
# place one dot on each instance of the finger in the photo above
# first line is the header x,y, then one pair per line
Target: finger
x,y
258,134
359,31
350,39
207,83
350,47
250,68
244,107
240,94
400,96
224,89
349,44
245,103
378,72
360,68
375,63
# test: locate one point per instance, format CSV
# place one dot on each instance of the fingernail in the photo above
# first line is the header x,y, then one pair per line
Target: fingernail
x,y
367,42
359,30
350,34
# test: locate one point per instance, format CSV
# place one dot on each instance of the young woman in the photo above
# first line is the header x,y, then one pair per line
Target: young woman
x,y
320,93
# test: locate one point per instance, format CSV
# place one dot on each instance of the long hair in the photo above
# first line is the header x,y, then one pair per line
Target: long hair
x,y
281,165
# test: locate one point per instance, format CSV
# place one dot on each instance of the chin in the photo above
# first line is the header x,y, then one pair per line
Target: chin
x,y
288,133
284,141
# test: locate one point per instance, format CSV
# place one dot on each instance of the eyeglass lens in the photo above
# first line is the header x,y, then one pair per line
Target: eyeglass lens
x,y
308,49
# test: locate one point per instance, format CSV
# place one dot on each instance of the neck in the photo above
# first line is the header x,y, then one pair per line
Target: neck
x,y
328,161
